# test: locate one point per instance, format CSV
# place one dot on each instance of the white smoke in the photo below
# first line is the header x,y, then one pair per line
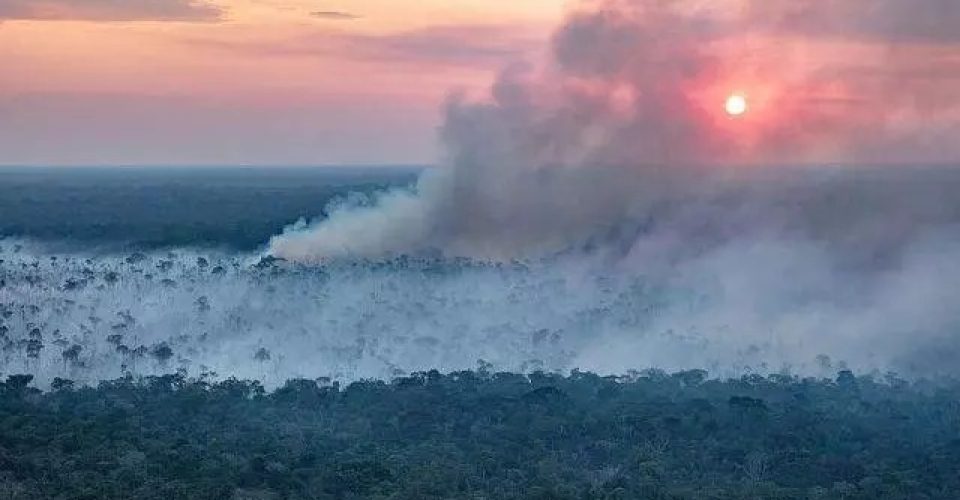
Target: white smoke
x,y
580,220
626,119
607,160
762,304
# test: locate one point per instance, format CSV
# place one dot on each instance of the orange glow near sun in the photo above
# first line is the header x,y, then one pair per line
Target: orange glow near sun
x,y
735,105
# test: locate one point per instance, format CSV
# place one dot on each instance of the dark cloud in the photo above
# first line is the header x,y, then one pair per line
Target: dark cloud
x,y
110,10
334,15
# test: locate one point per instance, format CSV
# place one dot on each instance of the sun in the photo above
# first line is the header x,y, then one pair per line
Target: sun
x,y
736,105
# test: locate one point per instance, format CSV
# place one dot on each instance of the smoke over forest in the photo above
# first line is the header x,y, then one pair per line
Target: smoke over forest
x,y
614,158
598,210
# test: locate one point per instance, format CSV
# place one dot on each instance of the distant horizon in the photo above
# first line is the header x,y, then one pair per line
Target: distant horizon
x,y
212,166
423,166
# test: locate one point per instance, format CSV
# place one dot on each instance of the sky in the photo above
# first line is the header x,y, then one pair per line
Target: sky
x,y
303,82
247,81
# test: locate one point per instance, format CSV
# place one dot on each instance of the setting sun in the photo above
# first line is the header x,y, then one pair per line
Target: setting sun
x,y
736,105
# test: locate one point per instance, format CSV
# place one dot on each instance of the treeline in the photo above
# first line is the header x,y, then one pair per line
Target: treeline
x,y
483,435
162,208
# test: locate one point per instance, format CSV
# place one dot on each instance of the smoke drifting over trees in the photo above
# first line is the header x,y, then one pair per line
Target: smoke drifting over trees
x,y
617,156
598,211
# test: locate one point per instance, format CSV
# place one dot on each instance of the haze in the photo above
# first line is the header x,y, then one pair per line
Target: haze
x,y
313,82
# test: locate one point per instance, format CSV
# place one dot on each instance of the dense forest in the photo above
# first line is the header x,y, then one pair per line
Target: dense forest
x,y
479,434
146,208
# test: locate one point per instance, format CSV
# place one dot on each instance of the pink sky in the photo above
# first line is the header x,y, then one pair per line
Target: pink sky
x,y
364,81
246,81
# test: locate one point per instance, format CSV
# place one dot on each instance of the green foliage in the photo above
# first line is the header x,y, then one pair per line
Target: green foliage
x,y
472,435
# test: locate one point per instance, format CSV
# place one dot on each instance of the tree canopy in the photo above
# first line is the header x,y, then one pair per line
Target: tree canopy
x,y
477,434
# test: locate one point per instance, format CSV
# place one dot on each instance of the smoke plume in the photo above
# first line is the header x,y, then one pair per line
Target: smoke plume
x,y
616,155
596,211
625,125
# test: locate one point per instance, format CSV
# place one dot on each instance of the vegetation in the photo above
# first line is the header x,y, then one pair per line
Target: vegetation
x,y
148,208
477,434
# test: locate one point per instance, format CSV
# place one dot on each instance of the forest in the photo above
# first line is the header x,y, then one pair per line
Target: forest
x,y
481,434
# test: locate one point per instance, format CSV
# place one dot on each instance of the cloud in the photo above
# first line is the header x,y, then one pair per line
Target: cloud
x,y
451,44
461,45
334,15
894,21
110,10
826,79
137,128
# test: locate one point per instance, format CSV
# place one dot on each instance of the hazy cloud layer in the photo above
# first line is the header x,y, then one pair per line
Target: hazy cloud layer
x,y
334,15
152,130
110,10
812,96
460,45
890,21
